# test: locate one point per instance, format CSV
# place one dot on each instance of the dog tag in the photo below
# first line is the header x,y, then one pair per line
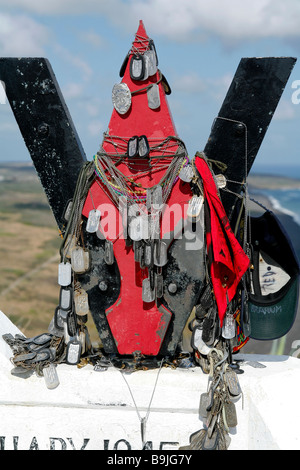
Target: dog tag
x,y
109,256
71,324
204,402
51,376
211,440
65,298
159,285
153,48
93,221
64,274
232,382
156,198
79,260
137,67
160,253
73,354
187,173
59,317
138,228
229,411
228,328
144,148
133,147
148,295
66,332
68,209
81,302
42,339
138,250
195,206
41,356
121,98
153,96
148,255
24,357
151,67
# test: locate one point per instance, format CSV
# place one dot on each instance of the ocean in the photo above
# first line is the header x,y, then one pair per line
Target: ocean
x,y
287,198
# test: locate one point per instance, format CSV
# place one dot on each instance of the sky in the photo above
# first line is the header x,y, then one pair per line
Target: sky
x,y
199,45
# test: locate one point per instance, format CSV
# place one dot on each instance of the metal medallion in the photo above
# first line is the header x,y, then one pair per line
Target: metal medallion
x,y
187,173
121,98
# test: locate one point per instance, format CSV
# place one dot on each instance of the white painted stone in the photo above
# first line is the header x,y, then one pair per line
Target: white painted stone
x,y
95,411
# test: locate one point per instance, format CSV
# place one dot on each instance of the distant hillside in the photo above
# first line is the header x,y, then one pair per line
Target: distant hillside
x,y
264,181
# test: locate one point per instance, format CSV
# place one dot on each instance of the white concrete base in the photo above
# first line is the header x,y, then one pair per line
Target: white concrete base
x,y
94,410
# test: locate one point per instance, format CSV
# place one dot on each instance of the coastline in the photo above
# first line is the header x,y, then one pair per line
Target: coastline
x,y
282,345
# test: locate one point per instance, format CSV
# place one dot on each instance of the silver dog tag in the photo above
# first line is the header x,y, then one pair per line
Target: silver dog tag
x,y
186,174
74,348
148,295
64,274
160,253
93,221
51,376
153,96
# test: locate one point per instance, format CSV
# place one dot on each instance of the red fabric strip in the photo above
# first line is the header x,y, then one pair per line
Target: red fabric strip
x,y
228,260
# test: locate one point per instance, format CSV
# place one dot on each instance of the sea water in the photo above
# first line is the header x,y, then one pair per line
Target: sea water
x,y
287,198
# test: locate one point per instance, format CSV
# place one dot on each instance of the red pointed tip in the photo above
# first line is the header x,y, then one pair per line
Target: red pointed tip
x,y
141,29
141,38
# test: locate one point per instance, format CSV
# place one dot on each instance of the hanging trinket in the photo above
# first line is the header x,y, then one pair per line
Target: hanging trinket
x,y
60,317
148,294
144,148
228,328
73,353
157,199
160,253
121,98
153,96
150,62
71,324
64,274
81,302
133,147
80,260
187,173
109,256
65,298
138,228
148,255
153,49
138,251
221,181
68,209
93,221
51,376
159,285
195,206
137,67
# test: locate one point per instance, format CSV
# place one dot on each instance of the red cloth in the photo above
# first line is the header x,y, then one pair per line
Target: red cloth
x,y
228,260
